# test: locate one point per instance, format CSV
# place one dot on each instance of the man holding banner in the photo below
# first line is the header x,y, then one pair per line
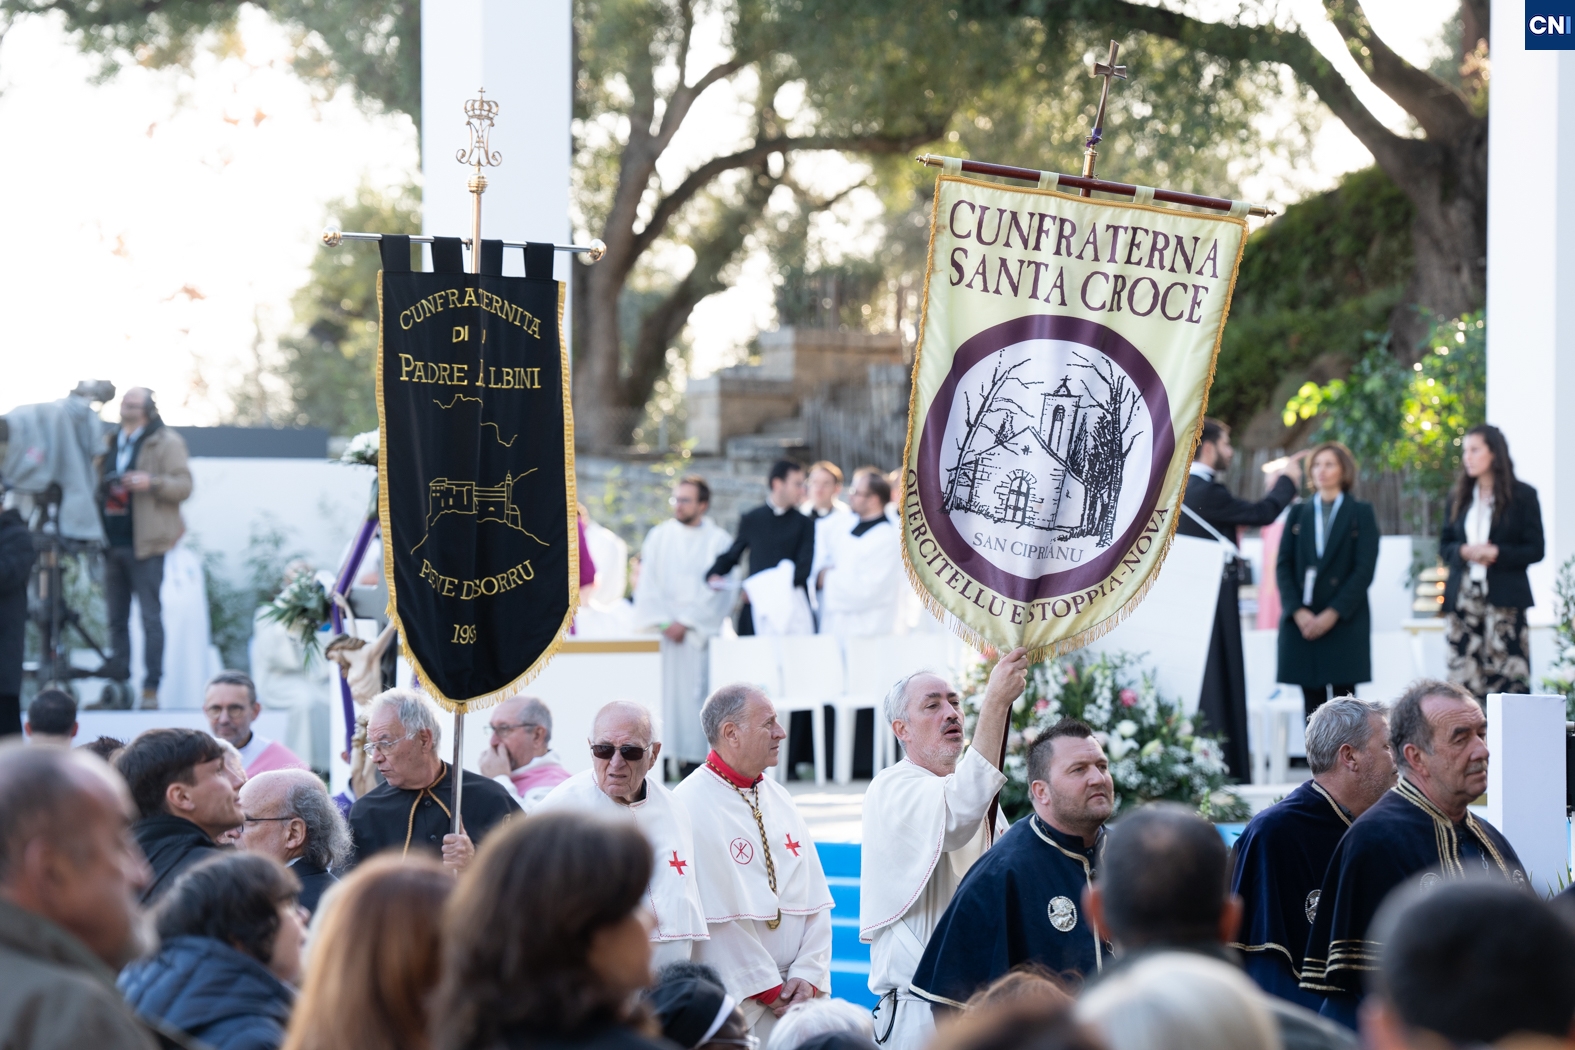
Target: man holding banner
x,y
1066,348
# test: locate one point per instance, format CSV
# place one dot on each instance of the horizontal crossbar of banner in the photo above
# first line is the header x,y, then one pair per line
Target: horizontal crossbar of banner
x,y
1079,182
333,237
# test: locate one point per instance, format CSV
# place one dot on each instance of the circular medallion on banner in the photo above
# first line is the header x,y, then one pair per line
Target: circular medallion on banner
x,y
1063,913
1311,906
742,851
1043,455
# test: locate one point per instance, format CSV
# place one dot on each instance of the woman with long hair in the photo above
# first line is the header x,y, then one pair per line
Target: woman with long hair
x,y
547,942
1492,531
1328,551
374,958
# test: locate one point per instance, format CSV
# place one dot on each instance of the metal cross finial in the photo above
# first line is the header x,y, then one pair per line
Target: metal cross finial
x,y
1106,69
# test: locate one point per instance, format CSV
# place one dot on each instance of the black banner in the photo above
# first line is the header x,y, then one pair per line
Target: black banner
x,y
475,470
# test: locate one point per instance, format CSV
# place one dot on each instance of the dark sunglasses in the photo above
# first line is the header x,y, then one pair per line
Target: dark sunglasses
x,y
630,752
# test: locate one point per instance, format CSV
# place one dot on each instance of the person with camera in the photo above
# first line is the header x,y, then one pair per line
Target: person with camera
x,y
1211,511
16,565
145,478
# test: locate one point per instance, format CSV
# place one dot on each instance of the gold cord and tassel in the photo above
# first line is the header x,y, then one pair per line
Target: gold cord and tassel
x,y
410,825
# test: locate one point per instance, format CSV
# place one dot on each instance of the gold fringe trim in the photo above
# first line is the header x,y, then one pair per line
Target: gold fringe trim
x,y
1074,642
571,492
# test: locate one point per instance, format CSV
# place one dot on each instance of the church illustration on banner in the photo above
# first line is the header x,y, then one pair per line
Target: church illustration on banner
x,y
466,497
1060,473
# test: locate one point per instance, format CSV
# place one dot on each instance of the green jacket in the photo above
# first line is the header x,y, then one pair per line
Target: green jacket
x,y
1350,553
56,993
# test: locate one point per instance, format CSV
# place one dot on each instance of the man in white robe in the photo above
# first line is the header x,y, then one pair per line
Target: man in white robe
x,y
673,597
859,564
619,784
767,904
924,826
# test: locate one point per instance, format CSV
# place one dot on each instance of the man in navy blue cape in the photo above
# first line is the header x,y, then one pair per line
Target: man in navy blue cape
x,y
1438,734
1281,858
1021,902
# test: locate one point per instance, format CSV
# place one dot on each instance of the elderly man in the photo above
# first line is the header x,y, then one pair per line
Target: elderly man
x,y
1281,858
624,751
1019,903
1161,888
1438,735
69,880
230,705
767,904
289,817
185,796
414,805
520,756
145,479
672,597
924,826
859,563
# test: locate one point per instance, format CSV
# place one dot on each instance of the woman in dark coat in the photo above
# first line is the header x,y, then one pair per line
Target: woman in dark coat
x,y
230,935
1328,551
1492,531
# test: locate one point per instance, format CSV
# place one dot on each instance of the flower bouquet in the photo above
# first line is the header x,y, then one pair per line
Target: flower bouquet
x,y
1155,752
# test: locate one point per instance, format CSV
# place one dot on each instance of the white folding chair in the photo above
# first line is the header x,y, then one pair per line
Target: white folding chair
x,y
811,669
868,682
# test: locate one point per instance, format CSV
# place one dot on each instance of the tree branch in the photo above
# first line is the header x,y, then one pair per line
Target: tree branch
x,y
1440,109
760,150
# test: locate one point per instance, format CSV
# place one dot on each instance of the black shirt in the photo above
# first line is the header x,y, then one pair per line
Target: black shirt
x,y
172,845
770,537
392,818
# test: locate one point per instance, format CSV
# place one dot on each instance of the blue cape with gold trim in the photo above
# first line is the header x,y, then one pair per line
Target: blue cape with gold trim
x,y
1279,864
1402,834
1021,902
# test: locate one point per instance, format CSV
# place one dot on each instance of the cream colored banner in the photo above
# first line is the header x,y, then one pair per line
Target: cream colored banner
x,y
1064,360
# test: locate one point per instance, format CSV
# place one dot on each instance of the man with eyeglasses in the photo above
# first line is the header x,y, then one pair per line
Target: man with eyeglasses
x,y
767,904
519,754
619,784
413,808
673,597
289,817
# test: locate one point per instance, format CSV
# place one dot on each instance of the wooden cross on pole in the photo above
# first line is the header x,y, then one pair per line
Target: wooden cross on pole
x,y
1107,69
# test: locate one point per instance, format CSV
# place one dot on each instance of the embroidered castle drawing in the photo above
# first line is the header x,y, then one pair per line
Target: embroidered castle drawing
x,y
466,497
1052,461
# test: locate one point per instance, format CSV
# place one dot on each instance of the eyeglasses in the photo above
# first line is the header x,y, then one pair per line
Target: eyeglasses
x,y
630,752
265,820
499,728
385,746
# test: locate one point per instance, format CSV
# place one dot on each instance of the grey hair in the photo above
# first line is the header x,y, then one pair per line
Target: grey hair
x,y
1407,723
815,1017
239,678
535,712
723,706
414,711
895,706
1343,720
327,834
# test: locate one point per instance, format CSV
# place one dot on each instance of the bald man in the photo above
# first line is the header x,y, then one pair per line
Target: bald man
x,y
624,750
289,817
519,753
70,875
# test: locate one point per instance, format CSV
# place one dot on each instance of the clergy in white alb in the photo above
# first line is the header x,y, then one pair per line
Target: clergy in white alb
x,y
859,564
766,900
619,784
673,597
924,826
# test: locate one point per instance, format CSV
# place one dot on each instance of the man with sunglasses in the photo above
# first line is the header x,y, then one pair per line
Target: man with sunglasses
x,y
519,755
620,784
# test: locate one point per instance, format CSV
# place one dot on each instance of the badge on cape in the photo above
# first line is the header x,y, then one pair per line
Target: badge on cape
x,y
1312,905
1063,913
1058,390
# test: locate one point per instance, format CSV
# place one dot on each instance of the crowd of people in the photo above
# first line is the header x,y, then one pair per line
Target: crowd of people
x,y
170,897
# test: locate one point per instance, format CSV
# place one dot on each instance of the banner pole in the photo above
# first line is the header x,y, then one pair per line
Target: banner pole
x,y
458,768
1107,70
480,113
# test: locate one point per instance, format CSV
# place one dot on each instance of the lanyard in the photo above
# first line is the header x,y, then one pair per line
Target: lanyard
x,y
1318,520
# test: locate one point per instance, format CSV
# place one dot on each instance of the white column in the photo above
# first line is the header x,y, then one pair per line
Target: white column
x,y
519,50
1526,783
1531,279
